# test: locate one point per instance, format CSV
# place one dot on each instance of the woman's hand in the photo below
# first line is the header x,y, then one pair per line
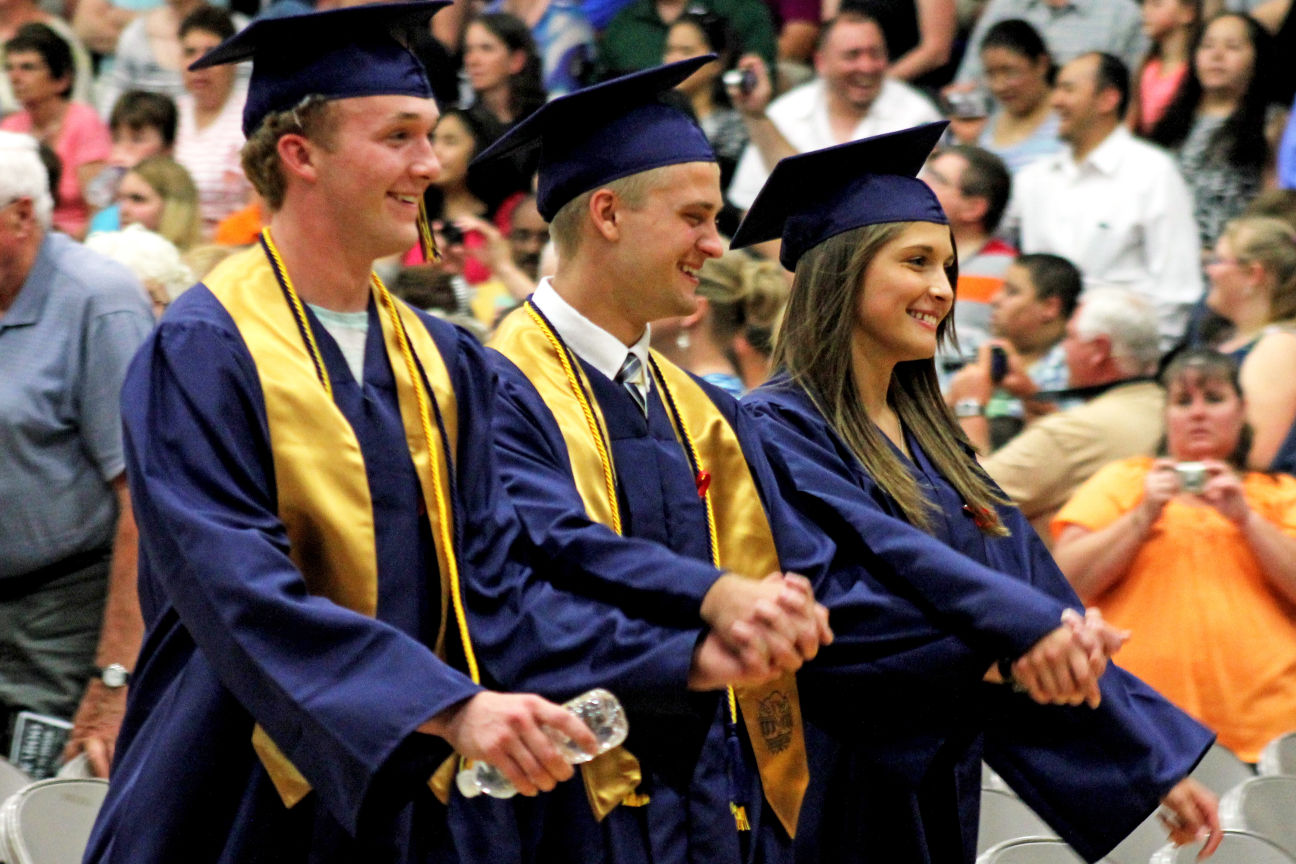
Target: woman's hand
x,y
1190,813
1161,485
1223,491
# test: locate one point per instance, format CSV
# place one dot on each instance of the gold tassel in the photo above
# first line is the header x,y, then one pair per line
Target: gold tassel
x,y
740,816
634,799
427,242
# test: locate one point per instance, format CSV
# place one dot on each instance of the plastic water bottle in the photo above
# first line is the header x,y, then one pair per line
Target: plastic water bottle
x,y
600,711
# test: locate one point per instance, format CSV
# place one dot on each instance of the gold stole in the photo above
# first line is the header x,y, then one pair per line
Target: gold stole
x,y
740,532
323,491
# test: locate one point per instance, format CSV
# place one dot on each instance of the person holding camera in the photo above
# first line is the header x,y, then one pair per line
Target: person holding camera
x,y
1197,555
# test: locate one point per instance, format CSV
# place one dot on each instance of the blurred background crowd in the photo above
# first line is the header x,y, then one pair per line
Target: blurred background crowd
x,y
1119,180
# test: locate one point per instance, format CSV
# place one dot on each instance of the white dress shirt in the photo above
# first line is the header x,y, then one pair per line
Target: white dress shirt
x,y
589,341
801,115
1124,216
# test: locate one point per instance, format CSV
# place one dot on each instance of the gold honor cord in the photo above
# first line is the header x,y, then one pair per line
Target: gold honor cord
x,y
425,417
739,812
596,432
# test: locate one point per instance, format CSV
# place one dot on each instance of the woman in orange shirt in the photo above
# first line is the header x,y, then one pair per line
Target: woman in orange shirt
x,y
1197,556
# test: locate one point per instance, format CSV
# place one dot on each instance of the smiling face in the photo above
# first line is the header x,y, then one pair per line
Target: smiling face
x,y
904,295
1204,416
1225,57
32,82
373,173
666,238
684,41
852,62
1017,82
454,146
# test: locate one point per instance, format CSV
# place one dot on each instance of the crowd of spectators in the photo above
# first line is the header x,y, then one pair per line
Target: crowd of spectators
x,y
1102,173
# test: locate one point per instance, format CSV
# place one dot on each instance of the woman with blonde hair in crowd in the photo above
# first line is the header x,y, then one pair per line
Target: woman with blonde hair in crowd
x,y
726,341
159,194
1253,287
1197,555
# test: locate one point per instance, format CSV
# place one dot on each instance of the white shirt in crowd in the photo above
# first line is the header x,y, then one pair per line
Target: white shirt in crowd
x,y
1124,216
801,115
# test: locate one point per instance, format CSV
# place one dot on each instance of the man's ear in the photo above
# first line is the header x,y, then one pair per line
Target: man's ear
x,y
297,155
605,211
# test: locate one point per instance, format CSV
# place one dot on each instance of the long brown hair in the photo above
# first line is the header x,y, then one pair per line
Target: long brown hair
x,y
813,346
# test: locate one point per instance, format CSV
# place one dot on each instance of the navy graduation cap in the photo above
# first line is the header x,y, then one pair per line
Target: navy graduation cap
x,y
602,133
813,196
338,54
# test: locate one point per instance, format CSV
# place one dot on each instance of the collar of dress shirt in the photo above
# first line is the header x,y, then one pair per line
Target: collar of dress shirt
x,y
591,342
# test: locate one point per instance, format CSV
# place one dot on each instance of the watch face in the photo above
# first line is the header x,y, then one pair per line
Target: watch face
x,y
114,676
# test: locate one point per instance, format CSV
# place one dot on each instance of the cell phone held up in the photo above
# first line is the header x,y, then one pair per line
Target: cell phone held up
x,y
998,364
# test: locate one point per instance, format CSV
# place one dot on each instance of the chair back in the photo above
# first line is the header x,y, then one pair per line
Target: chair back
x,y
12,779
1138,847
1264,806
1220,770
1279,755
1030,850
1004,816
1237,847
49,822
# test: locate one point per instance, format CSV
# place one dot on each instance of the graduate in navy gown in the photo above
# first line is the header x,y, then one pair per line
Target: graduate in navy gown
x,y
861,444
317,508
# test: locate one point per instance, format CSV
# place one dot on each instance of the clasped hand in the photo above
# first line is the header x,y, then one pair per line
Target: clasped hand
x,y
1063,668
759,629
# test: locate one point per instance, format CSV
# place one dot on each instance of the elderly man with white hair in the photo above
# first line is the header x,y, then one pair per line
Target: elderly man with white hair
x,y
70,320
1111,346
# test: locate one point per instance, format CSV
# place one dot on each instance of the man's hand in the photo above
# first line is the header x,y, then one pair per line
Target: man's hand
x,y
508,731
754,102
776,617
717,665
95,726
1191,813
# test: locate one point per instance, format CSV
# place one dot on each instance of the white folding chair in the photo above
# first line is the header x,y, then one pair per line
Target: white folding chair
x,y
12,779
1004,816
1138,847
1279,755
991,780
1030,850
1220,770
49,822
1238,847
1264,806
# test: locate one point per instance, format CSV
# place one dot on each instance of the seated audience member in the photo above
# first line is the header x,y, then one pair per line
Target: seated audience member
x,y
705,341
159,194
972,186
919,36
1113,205
503,69
242,227
528,234
852,98
1172,28
1216,124
70,321
210,135
636,38
39,67
1111,354
153,259
147,56
1019,74
17,13
1070,28
561,36
1275,203
142,124
1196,555
693,35
1028,321
1253,287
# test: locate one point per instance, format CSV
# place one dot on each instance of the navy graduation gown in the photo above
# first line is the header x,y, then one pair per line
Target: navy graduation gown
x,y
233,638
904,780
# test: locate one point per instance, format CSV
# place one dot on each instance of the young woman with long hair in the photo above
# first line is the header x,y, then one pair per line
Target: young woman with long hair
x,y
862,444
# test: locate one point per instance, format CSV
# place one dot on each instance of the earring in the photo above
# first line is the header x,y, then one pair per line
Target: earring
x,y
682,340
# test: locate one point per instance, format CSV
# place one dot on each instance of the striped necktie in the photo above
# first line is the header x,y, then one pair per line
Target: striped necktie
x,y
628,377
